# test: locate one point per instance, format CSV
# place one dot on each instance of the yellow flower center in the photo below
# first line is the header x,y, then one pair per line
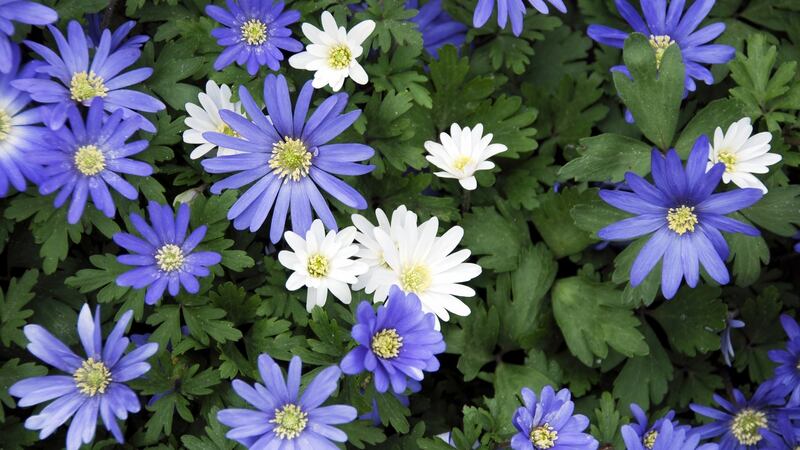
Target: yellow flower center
x,y
89,160
86,86
680,220
317,266
5,125
660,45
461,162
729,159
339,57
415,279
254,32
92,378
291,158
649,439
170,258
746,426
225,129
387,343
290,421
544,437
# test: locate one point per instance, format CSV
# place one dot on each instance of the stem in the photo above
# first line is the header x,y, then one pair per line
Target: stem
x,y
465,200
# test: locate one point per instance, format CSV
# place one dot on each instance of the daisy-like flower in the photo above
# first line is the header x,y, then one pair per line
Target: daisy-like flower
x,y
437,27
514,9
285,418
672,26
206,117
645,432
396,343
787,374
94,384
322,262
333,51
682,216
85,157
546,422
742,154
462,153
22,11
166,256
288,157
254,33
665,436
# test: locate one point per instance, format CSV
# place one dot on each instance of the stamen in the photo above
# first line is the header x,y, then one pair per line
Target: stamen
x,y
340,57
89,160
5,125
649,439
729,159
92,378
317,266
290,159
746,425
170,258
254,32
290,421
682,219
86,86
461,162
660,44
225,129
544,437
387,343
415,279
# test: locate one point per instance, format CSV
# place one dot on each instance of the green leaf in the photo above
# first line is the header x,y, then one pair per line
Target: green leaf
x,y
474,340
608,419
12,315
204,321
693,319
391,24
748,253
554,223
498,235
778,211
11,372
456,95
361,434
608,157
215,436
593,214
719,113
103,278
645,378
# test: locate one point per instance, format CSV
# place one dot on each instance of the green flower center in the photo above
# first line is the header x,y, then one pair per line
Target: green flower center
x,y
92,378
317,266
290,421
461,162
387,343
544,437
415,279
254,32
649,439
746,426
86,86
89,160
660,45
225,129
682,219
291,158
170,258
729,159
340,57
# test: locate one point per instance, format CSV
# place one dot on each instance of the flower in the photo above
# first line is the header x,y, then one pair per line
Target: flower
x,y
787,374
437,27
666,436
87,156
283,417
742,154
726,344
396,343
644,432
322,262
166,257
82,80
119,38
333,51
682,216
94,385
23,11
547,423
288,157
206,118
254,33
668,26
514,9
462,153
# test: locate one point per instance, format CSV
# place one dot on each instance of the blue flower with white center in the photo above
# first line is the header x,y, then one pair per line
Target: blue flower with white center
x,y
79,78
513,9
547,422
254,33
284,417
289,159
665,436
671,26
726,344
166,257
22,11
787,374
646,433
437,27
94,384
682,216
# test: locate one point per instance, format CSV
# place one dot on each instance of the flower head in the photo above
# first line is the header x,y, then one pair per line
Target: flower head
x,y
119,37
288,157
546,422
682,216
94,384
333,51
787,374
254,33
462,153
515,9
743,154
22,11
206,117
645,432
665,435
437,27
283,416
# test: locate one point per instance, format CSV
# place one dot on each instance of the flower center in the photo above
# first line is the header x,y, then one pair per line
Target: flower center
x,y
290,421
254,32
746,426
291,158
92,378
544,437
387,343
729,159
5,125
86,86
415,279
317,266
89,160
340,57
170,258
461,162
225,129
680,220
649,439
660,45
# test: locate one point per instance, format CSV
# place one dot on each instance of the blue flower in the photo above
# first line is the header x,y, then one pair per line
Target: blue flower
x,y
437,27
665,436
668,26
726,344
166,257
84,158
547,422
94,385
253,33
642,428
80,79
22,11
514,9
119,38
683,217
396,343
787,374
287,157
284,417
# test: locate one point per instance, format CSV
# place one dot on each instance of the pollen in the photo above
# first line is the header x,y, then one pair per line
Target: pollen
x,y
746,425
254,32
317,266
5,125
660,45
387,343
225,129
681,220
290,159
89,160
649,440
729,159
170,258
290,421
339,57
544,437
86,86
92,378
415,279
461,162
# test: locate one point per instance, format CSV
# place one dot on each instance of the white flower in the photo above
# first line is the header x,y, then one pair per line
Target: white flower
x,y
322,262
742,154
462,153
206,118
332,52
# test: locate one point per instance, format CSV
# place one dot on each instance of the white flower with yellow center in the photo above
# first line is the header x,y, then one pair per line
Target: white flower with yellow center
x,y
332,52
462,153
322,262
205,117
742,154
